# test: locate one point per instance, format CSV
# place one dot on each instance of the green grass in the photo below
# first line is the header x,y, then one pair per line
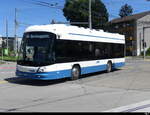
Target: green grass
x,y
9,58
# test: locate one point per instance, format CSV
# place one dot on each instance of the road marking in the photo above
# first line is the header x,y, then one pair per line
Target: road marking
x,y
147,60
3,82
125,68
7,68
6,72
143,106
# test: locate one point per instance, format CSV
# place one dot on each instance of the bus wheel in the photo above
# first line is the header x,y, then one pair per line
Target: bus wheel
x,y
75,72
109,67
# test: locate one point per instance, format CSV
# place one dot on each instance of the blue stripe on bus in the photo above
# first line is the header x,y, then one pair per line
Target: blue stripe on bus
x,y
96,36
92,69
118,65
65,73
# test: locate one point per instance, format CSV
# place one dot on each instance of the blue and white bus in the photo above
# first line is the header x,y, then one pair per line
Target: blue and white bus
x,y
58,51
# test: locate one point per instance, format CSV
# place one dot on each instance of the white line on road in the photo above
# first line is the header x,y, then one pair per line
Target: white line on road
x,y
3,82
143,106
6,72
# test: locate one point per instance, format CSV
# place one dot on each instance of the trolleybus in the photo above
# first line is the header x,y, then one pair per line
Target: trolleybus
x,y
58,51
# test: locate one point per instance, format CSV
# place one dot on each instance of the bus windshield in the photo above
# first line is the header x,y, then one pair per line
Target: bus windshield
x,y
36,49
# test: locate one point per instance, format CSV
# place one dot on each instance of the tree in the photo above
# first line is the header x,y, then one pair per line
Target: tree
x,y
126,10
78,11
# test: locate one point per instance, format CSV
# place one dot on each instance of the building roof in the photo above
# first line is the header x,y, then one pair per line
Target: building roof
x,y
129,18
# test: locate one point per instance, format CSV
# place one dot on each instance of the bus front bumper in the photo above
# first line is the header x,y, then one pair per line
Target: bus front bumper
x,y
39,76
45,75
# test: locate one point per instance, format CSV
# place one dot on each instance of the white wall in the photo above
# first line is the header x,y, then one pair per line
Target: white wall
x,y
143,24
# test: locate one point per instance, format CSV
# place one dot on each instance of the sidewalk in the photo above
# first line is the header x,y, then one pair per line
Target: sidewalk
x,y
137,57
7,69
6,62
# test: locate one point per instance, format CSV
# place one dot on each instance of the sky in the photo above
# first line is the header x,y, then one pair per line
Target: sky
x,y
32,14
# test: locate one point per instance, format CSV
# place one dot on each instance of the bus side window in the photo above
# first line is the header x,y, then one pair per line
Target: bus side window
x,y
60,51
97,53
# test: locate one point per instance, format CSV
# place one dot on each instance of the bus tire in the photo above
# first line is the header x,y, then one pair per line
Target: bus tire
x,y
109,67
75,72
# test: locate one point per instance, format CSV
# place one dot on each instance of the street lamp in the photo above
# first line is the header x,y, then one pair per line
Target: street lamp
x,y
46,4
55,5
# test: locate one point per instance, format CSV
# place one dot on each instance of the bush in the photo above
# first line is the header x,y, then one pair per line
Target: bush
x,y
148,52
10,56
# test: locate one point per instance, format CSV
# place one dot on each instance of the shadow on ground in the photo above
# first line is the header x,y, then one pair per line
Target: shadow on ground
x,y
33,82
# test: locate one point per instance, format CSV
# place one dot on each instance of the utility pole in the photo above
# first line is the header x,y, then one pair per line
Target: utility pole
x,y
144,53
90,15
15,36
7,33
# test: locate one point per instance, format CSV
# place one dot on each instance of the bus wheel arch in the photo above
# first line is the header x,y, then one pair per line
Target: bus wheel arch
x,y
75,72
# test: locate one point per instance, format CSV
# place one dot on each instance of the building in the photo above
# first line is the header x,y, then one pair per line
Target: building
x,y
136,29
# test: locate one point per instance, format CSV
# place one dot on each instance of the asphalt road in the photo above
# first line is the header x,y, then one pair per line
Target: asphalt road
x,y
92,93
